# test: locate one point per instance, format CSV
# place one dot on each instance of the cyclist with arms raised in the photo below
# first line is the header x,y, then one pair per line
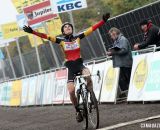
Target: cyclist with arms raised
x,y
71,46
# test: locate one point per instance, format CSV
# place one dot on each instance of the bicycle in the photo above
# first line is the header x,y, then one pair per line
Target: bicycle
x,y
89,104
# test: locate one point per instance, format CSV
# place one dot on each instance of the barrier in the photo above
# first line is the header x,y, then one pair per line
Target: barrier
x,y
16,93
51,87
8,88
60,87
24,94
32,91
48,88
139,76
152,86
110,83
97,83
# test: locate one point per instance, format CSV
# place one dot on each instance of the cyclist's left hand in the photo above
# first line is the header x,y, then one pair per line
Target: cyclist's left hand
x,y
106,16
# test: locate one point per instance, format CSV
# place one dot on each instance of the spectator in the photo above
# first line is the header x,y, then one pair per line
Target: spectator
x,y
151,35
122,57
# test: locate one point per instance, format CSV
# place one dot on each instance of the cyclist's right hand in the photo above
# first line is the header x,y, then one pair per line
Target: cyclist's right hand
x,y
28,29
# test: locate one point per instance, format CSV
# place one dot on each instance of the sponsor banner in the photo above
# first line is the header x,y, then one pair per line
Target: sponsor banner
x,y
1,36
39,13
40,89
48,88
60,87
16,93
21,21
110,83
60,6
32,90
3,94
138,79
8,87
152,85
97,81
19,4
24,94
11,30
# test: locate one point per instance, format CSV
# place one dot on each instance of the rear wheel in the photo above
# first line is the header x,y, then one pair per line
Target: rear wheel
x,y
93,112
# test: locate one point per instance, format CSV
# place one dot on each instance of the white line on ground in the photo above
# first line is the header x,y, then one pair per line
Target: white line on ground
x,y
130,123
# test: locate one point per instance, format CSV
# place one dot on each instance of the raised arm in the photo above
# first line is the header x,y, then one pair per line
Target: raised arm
x,y
28,29
95,26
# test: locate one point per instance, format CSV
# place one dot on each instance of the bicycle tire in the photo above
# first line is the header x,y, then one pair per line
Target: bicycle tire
x,y
94,108
85,112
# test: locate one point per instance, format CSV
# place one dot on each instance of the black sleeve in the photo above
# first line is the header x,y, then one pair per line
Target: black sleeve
x,y
59,39
153,32
81,35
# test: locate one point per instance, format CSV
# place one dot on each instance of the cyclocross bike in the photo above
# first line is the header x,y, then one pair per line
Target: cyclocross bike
x,y
87,102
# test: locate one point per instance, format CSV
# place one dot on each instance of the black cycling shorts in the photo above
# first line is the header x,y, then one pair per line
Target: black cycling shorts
x,y
74,68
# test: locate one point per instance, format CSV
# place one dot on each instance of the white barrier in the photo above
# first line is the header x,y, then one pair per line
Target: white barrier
x,y
40,89
8,87
51,88
32,91
60,87
138,77
24,94
110,83
48,88
152,85
97,83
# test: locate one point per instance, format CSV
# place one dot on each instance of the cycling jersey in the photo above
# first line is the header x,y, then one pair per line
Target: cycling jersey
x,y
71,44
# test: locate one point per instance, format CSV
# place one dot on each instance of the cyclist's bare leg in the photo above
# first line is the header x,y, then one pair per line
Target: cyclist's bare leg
x,y
86,71
71,90
73,98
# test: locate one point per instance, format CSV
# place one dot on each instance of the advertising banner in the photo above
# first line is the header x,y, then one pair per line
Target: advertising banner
x,y
97,81
60,6
152,85
3,94
11,30
32,91
138,79
40,89
48,88
16,93
21,21
39,13
24,94
110,83
20,4
8,87
60,87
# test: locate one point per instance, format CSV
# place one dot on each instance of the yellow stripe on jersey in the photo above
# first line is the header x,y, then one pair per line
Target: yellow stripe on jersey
x,y
51,38
88,31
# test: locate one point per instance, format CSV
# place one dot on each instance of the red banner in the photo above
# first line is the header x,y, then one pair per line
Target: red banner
x,y
39,13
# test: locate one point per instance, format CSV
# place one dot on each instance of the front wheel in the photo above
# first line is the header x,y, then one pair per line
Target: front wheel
x,y
93,111
85,112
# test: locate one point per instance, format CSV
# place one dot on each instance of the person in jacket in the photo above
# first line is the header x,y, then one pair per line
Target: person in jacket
x,y
151,35
122,57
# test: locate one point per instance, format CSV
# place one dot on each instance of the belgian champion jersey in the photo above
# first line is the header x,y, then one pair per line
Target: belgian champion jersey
x,y
70,44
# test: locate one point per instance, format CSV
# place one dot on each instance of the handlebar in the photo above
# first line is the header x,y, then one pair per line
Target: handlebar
x,y
84,76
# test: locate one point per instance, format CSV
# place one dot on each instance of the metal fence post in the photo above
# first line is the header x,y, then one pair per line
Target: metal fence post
x,y
10,62
20,55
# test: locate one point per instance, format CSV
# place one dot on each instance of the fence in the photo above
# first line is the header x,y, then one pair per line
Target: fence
x,y
128,23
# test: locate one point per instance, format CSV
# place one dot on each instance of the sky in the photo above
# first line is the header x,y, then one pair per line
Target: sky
x,y
7,12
